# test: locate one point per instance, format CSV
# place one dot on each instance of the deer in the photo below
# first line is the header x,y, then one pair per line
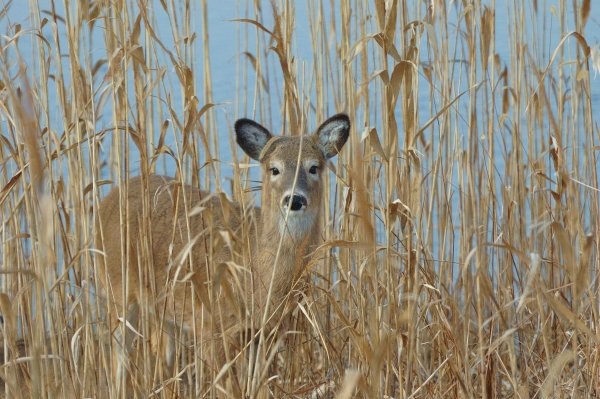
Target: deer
x,y
186,238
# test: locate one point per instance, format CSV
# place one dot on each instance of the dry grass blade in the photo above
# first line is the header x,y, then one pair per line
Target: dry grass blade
x,y
556,369
349,384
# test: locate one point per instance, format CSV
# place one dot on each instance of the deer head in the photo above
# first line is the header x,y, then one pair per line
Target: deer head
x,y
292,168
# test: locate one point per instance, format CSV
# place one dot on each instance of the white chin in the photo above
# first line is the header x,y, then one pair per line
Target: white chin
x,y
298,224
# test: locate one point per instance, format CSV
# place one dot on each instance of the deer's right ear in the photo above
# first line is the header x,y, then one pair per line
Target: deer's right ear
x,y
251,136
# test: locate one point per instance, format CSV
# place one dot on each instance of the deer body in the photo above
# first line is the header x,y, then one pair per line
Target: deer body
x,y
185,230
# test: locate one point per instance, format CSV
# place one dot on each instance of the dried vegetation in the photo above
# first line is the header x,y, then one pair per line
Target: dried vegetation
x,y
460,254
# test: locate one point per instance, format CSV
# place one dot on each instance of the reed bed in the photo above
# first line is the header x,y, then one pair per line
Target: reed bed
x,y
460,236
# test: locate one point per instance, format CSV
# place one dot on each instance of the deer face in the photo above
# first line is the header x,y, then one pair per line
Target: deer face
x,y
292,169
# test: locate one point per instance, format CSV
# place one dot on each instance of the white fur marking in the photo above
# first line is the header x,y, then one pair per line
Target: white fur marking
x,y
299,223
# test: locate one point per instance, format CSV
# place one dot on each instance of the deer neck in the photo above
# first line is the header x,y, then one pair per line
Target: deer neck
x,y
281,255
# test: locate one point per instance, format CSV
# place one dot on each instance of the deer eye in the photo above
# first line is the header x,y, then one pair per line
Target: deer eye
x,y
313,170
274,171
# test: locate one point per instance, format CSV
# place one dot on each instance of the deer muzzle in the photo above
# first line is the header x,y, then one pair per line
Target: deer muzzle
x,y
294,202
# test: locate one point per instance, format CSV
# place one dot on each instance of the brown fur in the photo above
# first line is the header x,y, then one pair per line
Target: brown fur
x,y
154,218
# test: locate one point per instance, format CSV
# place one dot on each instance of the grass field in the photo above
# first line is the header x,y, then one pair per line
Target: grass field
x,y
461,240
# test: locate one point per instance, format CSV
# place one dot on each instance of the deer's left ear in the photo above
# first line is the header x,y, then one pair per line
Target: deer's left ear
x,y
332,134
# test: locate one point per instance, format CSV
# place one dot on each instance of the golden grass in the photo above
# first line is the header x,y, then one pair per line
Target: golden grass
x,y
460,254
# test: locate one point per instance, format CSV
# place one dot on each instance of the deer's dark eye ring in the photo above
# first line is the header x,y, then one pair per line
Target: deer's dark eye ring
x,y
274,171
313,170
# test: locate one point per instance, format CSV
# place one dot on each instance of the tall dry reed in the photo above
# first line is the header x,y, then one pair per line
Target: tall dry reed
x,y
460,254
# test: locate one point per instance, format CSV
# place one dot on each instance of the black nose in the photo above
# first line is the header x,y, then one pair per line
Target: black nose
x,y
298,201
